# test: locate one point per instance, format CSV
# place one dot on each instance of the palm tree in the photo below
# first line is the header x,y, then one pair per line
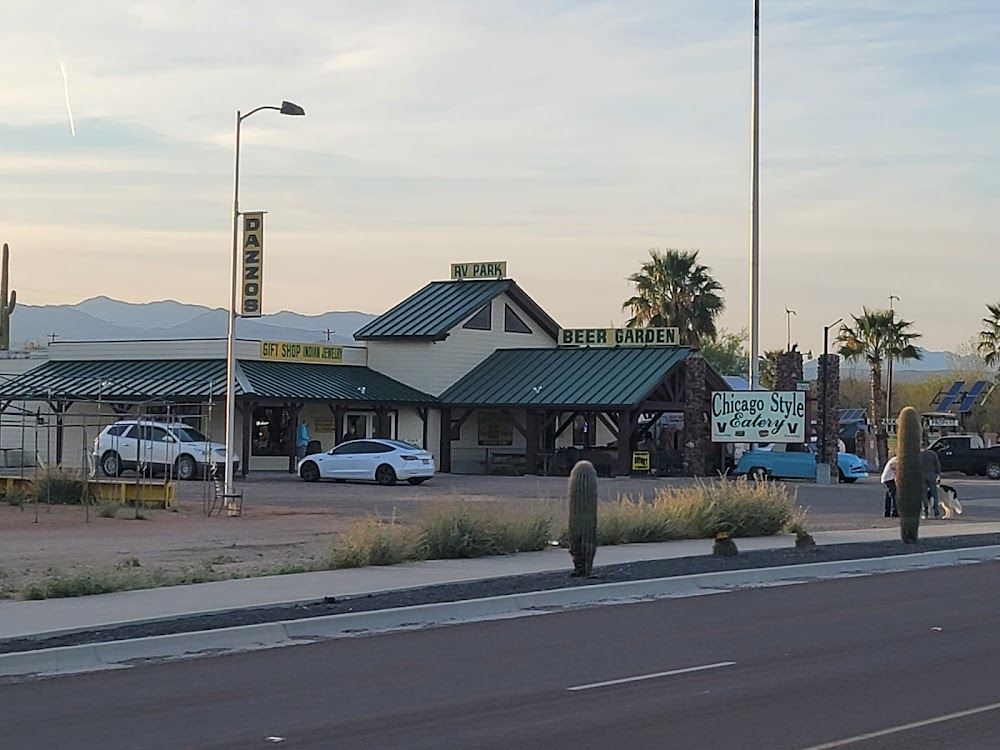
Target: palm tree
x,y
989,337
674,290
769,367
874,336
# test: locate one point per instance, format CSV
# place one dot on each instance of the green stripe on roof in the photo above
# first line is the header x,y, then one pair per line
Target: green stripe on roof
x,y
279,380
143,380
566,377
131,380
434,310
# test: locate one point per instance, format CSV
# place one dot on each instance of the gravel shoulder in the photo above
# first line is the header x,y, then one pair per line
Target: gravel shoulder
x,y
491,587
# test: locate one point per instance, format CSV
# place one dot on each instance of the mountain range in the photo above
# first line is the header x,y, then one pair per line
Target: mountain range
x,y
105,319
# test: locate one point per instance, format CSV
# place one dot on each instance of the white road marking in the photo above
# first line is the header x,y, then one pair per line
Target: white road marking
x,y
654,676
905,727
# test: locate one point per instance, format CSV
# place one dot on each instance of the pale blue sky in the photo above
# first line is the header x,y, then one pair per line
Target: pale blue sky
x,y
565,137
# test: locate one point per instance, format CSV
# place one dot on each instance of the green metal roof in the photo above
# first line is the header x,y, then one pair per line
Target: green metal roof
x,y
145,380
441,305
291,380
620,376
127,380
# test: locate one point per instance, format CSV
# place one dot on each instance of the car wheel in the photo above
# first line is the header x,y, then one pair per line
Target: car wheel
x,y
187,468
385,475
993,470
111,464
309,472
417,480
840,475
757,473
848,480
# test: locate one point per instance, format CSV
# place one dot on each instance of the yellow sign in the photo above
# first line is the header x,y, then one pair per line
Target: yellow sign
x,y
287,351
640,461
325,426
618,337
253,264
495,270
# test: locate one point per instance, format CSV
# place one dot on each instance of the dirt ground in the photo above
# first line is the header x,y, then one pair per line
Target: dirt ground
x,y
288,521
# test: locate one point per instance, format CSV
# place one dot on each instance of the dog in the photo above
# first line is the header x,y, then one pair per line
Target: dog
x,y
948,501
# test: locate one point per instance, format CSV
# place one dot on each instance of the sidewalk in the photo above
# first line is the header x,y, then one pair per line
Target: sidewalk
x,y
22,619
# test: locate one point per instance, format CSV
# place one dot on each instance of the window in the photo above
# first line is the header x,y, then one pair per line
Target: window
x,y
370,446
189,435
273,431
495,428
153,434
118,429
482,320
512,323
346,449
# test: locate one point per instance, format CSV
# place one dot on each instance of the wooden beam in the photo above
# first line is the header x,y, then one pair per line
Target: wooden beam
x,y
608,423
624,463
659,406
444,459
567,423
517,425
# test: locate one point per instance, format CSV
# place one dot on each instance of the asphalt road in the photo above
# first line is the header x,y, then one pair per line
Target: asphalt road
x,y
904,660
838,506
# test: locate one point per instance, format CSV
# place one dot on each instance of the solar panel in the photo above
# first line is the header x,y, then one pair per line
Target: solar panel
x,y
950,396
970,398
851,415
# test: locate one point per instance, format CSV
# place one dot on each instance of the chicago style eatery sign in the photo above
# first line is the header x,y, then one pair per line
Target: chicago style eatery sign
x,y
758,417
618,337
253,265
288,351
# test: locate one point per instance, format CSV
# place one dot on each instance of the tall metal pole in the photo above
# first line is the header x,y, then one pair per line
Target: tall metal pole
x,y
826,364
755,205
231,335
888,385
788,329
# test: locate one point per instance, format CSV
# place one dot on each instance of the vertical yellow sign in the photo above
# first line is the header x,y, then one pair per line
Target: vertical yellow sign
x,y
252,278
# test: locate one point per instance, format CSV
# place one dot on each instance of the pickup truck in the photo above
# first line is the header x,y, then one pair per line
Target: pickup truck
x,y
966,453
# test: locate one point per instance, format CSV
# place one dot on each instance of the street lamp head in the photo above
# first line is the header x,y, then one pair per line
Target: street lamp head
x,y
288,108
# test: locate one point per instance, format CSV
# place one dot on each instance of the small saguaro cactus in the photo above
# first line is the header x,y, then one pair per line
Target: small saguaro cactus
x,y
6,305
910,486
583,518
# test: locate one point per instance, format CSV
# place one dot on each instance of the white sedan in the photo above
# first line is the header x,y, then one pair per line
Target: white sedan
x,y
378,460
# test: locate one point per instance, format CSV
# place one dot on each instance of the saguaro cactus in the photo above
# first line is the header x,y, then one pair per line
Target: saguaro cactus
x,y
583,517
910,486
6,305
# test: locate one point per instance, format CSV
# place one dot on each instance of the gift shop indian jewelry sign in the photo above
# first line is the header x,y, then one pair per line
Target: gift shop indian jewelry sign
x,y
758,417
288,351
618,337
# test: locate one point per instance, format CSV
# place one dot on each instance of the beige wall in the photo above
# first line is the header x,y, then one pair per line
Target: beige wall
x,y
433,367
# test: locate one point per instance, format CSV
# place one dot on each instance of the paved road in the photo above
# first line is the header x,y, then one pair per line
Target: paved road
x,y
907,660
840,506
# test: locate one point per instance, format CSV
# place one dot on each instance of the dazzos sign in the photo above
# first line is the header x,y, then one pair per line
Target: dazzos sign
x,y
758,417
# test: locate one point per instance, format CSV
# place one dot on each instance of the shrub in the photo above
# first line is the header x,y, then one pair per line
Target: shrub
x,y
108,510
88,581
59,487
16,499
375,541
464,530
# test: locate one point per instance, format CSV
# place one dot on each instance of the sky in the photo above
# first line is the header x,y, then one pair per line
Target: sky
x,y
567,137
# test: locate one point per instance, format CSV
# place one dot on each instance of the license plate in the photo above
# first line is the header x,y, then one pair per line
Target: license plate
x,y
426,461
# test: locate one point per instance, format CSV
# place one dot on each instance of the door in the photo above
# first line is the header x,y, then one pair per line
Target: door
x,y
125,445
338,463
160,446
371,454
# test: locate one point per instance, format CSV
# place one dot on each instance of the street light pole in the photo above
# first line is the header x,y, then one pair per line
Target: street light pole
x,y
826,366
754,368
286,108
788,329
891,353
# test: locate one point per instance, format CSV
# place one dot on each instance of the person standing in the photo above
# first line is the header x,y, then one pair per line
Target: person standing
x,y
301,440
889,482
931,465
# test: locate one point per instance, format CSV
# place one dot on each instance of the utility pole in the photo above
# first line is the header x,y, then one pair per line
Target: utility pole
x,y
890,356
754,369
788,329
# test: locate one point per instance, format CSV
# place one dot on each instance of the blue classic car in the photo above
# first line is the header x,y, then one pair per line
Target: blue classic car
x,y
796,461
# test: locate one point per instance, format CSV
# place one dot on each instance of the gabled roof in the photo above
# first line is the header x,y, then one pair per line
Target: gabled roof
x,y
436,309
620,376
145,380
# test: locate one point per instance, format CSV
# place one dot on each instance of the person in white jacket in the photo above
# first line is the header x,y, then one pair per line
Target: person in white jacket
x,y
889,481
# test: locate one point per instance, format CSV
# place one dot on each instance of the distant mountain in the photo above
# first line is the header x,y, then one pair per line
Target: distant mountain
x,y
932,363
105,319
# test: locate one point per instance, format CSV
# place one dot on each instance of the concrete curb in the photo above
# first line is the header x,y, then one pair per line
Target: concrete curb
x,y
120,654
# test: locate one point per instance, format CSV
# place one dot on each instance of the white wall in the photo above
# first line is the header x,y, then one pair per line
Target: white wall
x,y
433,367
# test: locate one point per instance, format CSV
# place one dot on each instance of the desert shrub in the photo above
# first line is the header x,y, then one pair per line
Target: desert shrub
x,y
108,510
59,487
128,577
16,499
375,541
464,530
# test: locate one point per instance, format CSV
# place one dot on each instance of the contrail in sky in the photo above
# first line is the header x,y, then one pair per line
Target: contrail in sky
x,y
69,109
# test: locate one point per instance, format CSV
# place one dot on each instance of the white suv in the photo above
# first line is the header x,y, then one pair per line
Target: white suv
x,y
157,447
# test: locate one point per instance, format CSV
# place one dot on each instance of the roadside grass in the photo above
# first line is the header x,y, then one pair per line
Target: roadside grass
x,y
59,487
458,529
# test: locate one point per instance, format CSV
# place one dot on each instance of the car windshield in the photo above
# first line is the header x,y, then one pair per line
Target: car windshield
x,y
189,435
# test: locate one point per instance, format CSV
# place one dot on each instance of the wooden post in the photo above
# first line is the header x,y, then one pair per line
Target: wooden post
x,y
444,460
624,464
531,442
294,409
